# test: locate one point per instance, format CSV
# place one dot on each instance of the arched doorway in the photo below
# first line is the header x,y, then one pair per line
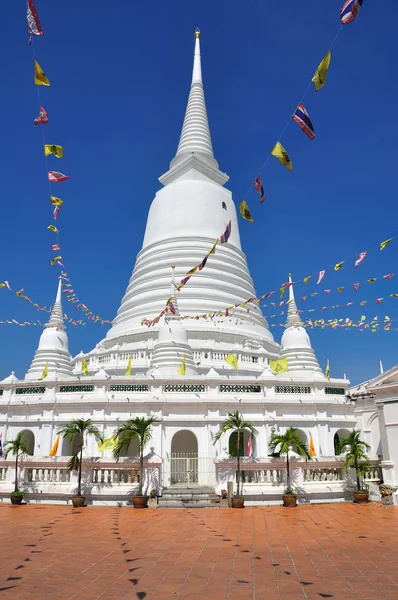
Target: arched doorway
x,y
244,446
29,439
338,436
133,451
68,448
184,458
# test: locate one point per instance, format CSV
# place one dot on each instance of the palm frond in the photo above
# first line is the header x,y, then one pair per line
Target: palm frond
x,y
234,422
139,428
17,446
73,463
281,442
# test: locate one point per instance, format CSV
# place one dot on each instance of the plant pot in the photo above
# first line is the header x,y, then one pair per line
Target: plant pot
x,y
361,497
16,499
140,501
237,502
289,500
78,501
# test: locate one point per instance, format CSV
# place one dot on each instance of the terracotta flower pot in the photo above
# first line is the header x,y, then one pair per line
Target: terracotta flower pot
x,y
237,502
289,501
361,497
78,501
16,499
140,501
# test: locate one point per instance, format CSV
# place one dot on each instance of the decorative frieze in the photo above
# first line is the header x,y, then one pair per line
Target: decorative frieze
x,y
20,391
335,391
184,388
130,388
240,389
292,389
65,389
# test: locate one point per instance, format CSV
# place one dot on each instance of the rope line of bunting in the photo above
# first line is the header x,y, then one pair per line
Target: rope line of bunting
x,y
40,80
348,13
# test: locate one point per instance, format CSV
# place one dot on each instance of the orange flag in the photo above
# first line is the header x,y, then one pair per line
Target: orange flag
x,y
312,447
54,449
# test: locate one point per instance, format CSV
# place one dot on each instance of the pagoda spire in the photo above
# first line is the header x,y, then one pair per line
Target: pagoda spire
x,y
195,150
174,313
52,351
296,344
293,318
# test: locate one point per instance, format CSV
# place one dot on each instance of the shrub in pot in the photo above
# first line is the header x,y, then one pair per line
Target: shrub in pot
x,y
282,443
80,428
18,448
235,423
139,428
356,457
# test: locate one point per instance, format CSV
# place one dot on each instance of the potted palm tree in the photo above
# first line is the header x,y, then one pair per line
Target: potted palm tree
x,y
139,428
283,443
356,457
81,428
18,448
235,423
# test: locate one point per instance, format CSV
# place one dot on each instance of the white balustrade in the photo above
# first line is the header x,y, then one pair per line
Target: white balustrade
x,y
111,476
46,475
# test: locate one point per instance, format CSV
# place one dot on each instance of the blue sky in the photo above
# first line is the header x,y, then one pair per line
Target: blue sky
x,y
119,83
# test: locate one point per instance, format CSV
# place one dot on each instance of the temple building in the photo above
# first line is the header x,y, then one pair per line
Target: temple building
x,y
189,212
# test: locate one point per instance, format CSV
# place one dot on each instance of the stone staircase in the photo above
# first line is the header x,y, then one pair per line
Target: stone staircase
x,y
188,498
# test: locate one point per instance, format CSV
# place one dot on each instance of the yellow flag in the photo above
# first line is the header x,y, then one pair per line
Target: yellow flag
x,y
40,78
128,370
232,360
282,291
321,73
213,250
327,370
385,243
192,271
45,371
52,228
363,303
340,289
394,295
338,266
280,153
54,449
279,366
85,367
54,260
306,279
245,212
58,151
182,369
312,447
107,444
56,201
372,280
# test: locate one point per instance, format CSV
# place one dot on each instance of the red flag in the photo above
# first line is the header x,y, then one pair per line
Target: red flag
x,y
259,187
389,276
42,119
34,26
304,298
360,258
56,212
379,300
249,447
56,177
327,291
56,247
356,286
321,275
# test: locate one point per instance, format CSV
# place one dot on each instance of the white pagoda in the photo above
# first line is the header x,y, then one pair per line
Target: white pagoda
x,y
187,215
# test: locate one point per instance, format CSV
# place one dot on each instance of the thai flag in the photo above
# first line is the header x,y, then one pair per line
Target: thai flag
x,y
259,187
350,10
249,447
302,118
56,177
225,236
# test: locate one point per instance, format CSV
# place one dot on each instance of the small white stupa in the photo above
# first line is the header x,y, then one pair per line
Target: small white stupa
x,y
296,344
53,347
172,349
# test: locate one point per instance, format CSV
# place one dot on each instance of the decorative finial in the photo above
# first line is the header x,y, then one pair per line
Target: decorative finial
x,y
197,32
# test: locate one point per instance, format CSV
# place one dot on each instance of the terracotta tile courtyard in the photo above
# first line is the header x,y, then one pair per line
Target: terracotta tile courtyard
x,y
339,551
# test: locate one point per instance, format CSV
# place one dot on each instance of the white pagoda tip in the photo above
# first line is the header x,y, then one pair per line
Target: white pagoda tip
x,y
197,64
59,291
291,290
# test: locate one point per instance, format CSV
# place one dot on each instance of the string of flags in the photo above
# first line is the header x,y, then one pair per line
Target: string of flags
x,y
348,13
223,239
